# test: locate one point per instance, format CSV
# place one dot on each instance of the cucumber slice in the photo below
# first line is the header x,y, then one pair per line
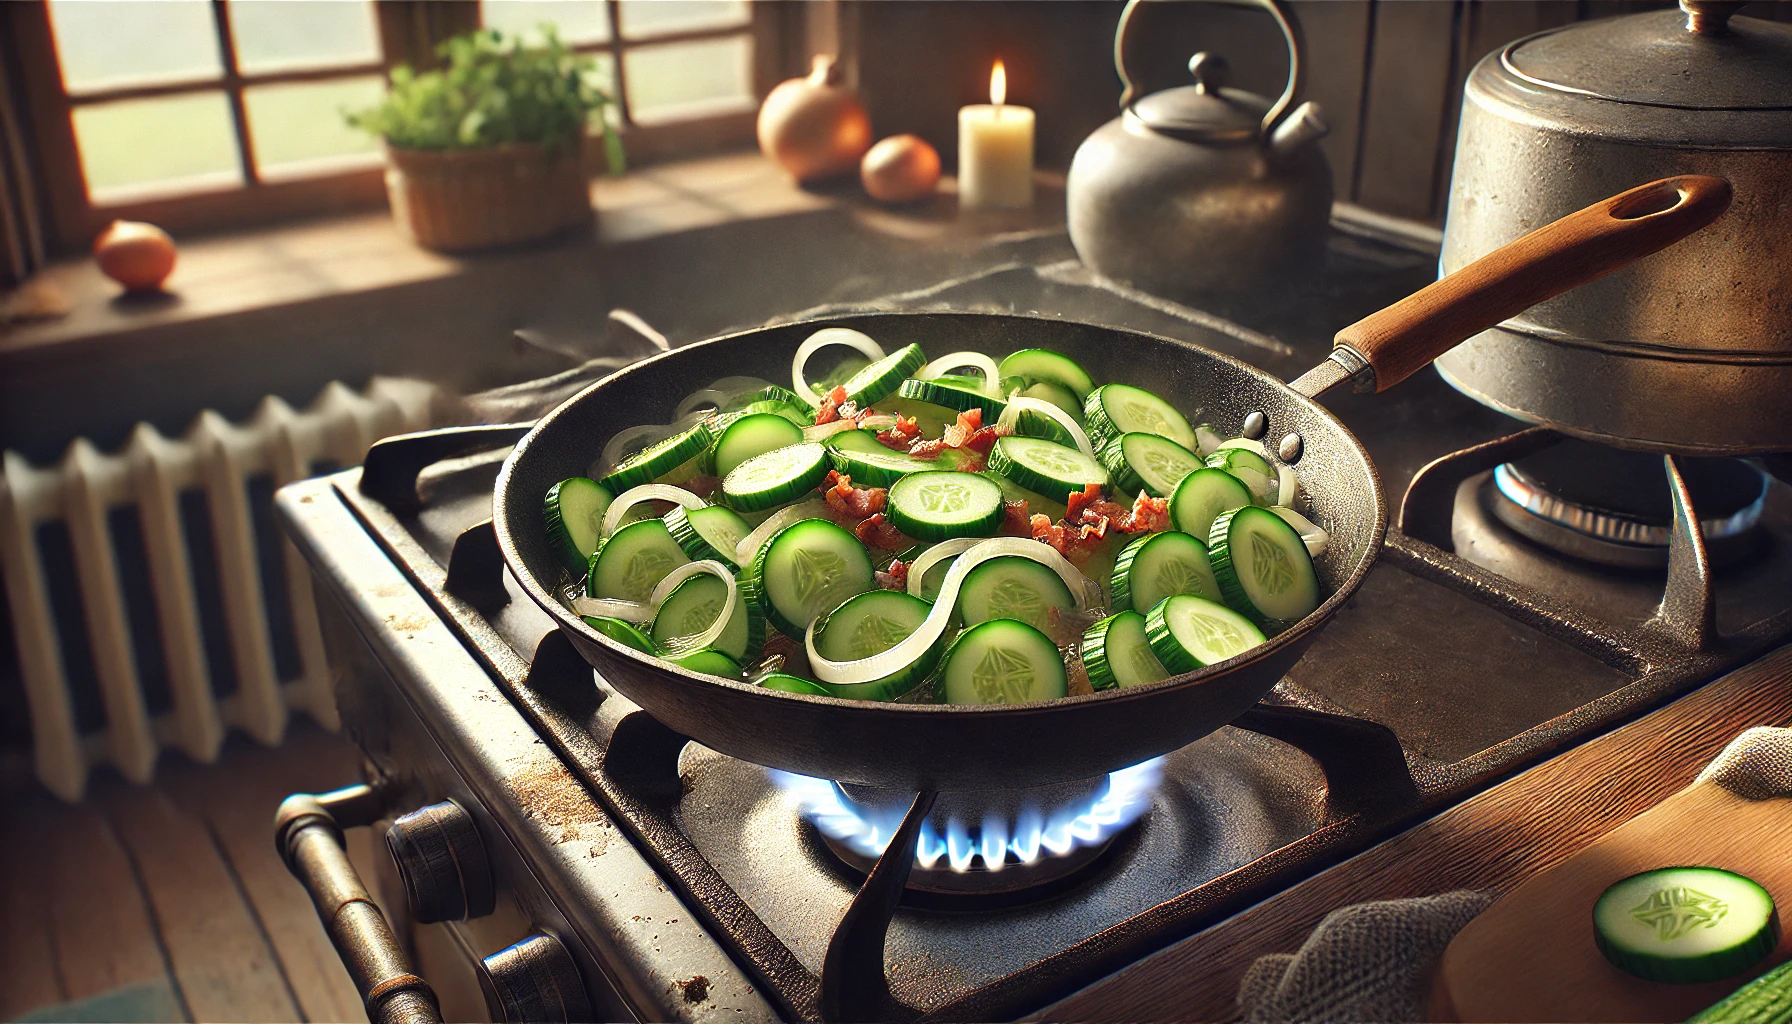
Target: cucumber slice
x,y
869,624
953,395
932,419
1200,498
1013,588
1685,924
626,633
1187,632
574,510
940,505
1158,565
753,434
1262,566
1058,395
798,415
1229,459
1053,470
881,379
711,532
1041,364
709,661
777,477
788,683
858,441
1002,662
657,459
1766,1000
1116,652
692,607
1115,409
860,455
806,570
634,561
769,393
1147,462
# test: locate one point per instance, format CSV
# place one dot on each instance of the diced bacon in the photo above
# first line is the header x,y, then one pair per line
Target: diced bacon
x,y
1015,521
968,434
852,502
1088,507
1076,543
896,574
902,436
878,532
833,406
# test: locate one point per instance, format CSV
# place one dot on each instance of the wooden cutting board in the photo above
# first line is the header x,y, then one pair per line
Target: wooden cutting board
x,y
1531,957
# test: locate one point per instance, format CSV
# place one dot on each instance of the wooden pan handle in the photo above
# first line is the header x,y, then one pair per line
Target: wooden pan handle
x,y
1400,340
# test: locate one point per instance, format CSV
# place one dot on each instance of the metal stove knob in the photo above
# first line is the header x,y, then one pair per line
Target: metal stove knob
x,y
442,861
533,981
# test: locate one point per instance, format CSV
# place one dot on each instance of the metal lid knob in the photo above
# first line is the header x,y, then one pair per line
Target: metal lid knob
x,y
1710,17
443,864
1209,70
533,981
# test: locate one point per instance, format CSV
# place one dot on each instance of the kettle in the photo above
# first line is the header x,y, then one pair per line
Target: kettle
x,y
1203,188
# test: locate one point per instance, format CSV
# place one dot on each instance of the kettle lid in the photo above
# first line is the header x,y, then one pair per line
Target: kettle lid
x,y
1205,111
1696,58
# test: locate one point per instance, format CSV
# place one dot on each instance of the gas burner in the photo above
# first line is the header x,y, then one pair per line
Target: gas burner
x,y
981,843
1612,507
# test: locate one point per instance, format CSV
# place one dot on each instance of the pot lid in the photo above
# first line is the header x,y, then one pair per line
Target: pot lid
x,y
1203,112
1698,58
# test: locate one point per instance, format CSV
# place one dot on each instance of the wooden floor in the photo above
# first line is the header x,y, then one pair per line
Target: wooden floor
x,y
168,902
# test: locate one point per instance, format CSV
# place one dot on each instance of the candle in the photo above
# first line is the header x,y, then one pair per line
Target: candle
x,y
995,150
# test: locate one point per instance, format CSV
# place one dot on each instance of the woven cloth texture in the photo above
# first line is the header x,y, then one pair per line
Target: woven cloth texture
x,y
1756,765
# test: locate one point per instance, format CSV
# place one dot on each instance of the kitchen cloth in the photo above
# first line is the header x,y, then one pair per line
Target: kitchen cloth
x,y
1370,962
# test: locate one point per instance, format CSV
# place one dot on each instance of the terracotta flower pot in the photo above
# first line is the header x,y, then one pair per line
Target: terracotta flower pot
x,y
457,199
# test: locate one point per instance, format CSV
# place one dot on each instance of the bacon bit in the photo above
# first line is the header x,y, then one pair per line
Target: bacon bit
x,y
877,532
1088,507
1015,521
898,574
834,406
968,434
852,502
1076,543
902,436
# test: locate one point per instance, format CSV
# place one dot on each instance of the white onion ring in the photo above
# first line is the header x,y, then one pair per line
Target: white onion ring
x,y
1011,417
904,654
718,394
646,492
935,555
1315,538
1207,440
707,638
1287,486
629,440
1261,485
823,431
959,360
1254,447
613,608
750,544
819,340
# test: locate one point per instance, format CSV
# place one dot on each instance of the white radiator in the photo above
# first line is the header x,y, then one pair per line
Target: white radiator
x,y
213,466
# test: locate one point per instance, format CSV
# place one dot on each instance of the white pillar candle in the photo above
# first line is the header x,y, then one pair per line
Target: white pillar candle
x,y
995,150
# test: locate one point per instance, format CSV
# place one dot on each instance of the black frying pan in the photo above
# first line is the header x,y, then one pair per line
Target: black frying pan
x,y
951,747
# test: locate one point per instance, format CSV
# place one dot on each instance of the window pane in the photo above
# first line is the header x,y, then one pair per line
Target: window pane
x,y
298,127
277,35
166,143
603,75
579,21
107,43
683,80
658,17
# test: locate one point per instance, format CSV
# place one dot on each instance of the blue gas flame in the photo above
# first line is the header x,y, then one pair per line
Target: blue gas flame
x,y
991,842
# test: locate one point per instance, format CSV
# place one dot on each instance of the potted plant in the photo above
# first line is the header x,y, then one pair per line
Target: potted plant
x,y
488,150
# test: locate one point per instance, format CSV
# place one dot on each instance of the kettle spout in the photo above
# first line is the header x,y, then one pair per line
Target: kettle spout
x,y
1302,127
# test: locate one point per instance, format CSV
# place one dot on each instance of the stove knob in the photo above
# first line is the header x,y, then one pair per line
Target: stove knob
x,y
534,981
439,856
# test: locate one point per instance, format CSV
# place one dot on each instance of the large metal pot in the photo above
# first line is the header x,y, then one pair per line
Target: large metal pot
x,y
1686,351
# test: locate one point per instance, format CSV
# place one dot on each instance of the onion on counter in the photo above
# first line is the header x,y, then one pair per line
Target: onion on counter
x,y
814,127
900,169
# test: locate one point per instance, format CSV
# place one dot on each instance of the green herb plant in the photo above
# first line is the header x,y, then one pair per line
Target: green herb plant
x,y
494,90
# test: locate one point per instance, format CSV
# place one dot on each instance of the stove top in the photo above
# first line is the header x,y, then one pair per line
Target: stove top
x,y
1468,654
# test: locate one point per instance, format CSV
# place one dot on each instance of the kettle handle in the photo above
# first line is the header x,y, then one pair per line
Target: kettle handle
x,y
1290,32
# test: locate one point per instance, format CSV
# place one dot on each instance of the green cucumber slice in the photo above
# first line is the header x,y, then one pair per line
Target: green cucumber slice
x,y
1052,469
881,379
869,462
869,624
1156,565
626,633
858,441
1200,498
1012,587
692,607
1116,652
1002,661
932,419
788,683
1147,462
634,561
1187,632
657,459
1262,566
1058,395
777,477
806,570
753,434
712,532
1041,364
769,393
953,395
1685,924
1115,409
709,661
798,415
574,510
941,504
1240,458
1766,1000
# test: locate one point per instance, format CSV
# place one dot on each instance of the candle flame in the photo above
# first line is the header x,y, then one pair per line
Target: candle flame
x,y
998,84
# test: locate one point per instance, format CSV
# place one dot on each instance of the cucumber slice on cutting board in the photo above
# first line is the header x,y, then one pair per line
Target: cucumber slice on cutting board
x,y
869,624
1116,652
1187,632
777,477
1262,566
633,561
1052,469
1685,924
1766,1000
941,504
1154,566
1115,409
1002,661
574,510
1012,587
806,570
692,607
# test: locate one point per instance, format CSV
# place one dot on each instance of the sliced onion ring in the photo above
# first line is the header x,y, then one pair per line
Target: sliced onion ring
x,y
1255,447
750,544
935,555
1287,486
819,340
904,654
1261,485
612,608
707,638
628,441
1316,539
646,492
1011,417
1207,440
959,360
719,394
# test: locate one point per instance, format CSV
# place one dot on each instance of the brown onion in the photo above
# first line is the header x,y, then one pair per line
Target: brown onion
x,y
814,127
137,255
899,169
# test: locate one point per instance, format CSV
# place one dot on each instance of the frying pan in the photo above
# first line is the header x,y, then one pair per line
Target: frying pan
x,y
955,747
